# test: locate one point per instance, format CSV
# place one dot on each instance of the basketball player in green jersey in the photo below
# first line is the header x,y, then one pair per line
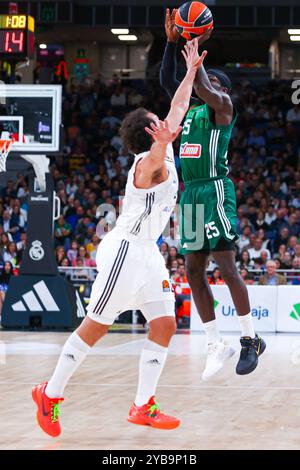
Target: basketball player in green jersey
x,y
203,154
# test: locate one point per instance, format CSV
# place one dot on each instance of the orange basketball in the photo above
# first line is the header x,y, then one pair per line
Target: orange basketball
x,y
193,19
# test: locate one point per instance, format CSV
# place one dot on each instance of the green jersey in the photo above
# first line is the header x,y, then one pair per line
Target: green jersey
x,y
204,146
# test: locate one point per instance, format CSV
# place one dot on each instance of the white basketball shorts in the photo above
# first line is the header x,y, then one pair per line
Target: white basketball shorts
x,y
131,276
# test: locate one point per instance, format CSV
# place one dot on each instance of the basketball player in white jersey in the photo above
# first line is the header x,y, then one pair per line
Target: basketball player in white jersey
x,y
131,270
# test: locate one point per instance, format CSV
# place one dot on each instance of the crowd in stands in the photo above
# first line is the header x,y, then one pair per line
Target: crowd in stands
x,y
265,167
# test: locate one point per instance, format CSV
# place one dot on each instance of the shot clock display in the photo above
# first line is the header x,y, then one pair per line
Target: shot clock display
x,y
16,37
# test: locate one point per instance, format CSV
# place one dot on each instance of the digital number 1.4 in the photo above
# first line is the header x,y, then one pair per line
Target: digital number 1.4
x,y
14,41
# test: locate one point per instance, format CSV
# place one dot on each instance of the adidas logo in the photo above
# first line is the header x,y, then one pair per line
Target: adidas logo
x,y
37,303
70,356
153,361
80,307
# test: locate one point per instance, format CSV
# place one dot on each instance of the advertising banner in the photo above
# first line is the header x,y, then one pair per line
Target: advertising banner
x,y
263,302
288,309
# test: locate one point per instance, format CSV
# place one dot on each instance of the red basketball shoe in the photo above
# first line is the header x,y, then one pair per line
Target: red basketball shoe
x,y
48,410
150,415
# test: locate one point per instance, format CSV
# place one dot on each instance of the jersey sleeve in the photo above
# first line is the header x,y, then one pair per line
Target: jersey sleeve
x,y
168,69
168,72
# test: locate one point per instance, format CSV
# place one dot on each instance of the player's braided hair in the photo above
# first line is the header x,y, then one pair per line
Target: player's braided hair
x,y
133,133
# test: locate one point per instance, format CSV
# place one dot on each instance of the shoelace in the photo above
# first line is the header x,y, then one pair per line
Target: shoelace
x,y
55,411
153,409
246,348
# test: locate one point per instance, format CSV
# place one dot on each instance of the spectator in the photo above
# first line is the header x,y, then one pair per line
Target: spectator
x,y
247,277
84,257
92,247
293,225
245,261
216,278
171,240
292,244
60,254
173,253
286,261
80,273
293,114
72,253
5,276
281,239
244,239
272,278
5,221
17,222
21,245
260,222
174,267
118,98
67,273
62,231
4,242
164,250
255,252
110,119
11,254
296,265
270,216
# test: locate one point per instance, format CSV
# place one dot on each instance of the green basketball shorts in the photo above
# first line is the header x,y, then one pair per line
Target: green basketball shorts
x,y
208,215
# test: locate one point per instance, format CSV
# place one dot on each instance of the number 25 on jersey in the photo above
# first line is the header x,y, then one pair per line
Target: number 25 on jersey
x,y
186,127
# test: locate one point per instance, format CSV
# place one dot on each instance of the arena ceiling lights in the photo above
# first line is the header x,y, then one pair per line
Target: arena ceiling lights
x,y
294,34
128,37
120,31
123,34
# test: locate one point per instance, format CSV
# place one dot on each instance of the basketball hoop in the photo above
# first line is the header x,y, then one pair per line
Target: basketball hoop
x,y
5,146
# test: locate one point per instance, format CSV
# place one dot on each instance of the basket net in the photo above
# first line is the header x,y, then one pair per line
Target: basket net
x,y
5,146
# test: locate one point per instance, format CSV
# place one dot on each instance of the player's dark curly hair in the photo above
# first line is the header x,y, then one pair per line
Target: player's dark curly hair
x,y
133,133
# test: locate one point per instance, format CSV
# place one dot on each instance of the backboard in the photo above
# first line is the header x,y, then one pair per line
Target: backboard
x,y
31,115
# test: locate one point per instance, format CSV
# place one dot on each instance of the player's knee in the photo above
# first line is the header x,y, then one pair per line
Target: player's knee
x,y
91,331
194,272
230,273
164,327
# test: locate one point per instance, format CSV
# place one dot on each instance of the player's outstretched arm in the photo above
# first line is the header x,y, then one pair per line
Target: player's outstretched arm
x,y
155,160
181,101
168,69
216,100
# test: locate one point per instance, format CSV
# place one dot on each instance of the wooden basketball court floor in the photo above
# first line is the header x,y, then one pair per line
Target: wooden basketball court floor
x,y
258,411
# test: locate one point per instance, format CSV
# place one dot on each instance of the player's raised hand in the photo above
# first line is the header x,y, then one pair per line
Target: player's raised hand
x,y
171,31
161,132
191,55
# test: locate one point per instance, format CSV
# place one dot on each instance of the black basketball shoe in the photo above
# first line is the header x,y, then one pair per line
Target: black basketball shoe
x,y
252,348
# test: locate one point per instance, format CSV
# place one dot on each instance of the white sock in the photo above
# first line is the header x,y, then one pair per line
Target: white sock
x,y
74,352
152,362
212,332
246,323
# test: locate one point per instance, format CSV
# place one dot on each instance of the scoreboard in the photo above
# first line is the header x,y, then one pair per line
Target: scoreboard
x,y
16,37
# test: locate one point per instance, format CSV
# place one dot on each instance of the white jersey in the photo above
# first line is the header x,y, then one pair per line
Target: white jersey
x,y
131,271
146,212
